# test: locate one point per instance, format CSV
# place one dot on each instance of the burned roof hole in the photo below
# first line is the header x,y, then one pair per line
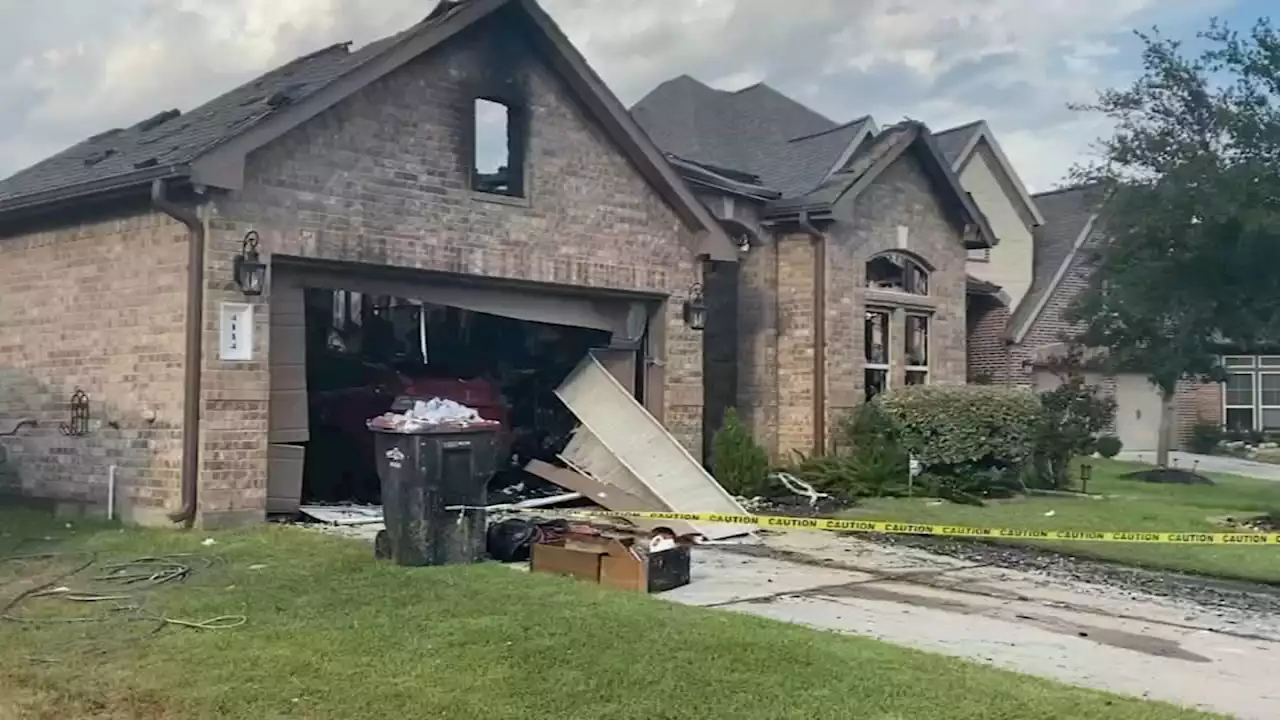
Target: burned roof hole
x,y
286,95
157,120
149,162
99,156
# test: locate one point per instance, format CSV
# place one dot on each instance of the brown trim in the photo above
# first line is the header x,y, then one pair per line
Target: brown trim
x,y
193,359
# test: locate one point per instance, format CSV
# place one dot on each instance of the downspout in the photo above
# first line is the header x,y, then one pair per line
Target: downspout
x,y
186,513
819,333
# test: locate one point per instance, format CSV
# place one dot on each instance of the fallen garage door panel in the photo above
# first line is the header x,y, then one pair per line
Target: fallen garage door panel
x,y
641,445
586,454
606,496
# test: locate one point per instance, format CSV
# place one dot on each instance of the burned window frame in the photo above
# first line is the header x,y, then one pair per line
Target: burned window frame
x,y
517,166
872,366
916,273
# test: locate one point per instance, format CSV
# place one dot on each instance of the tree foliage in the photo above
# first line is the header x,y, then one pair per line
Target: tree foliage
x,y
1072,416
1192,217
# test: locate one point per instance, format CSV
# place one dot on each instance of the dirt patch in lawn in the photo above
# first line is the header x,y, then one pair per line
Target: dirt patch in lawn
x,y
1169,476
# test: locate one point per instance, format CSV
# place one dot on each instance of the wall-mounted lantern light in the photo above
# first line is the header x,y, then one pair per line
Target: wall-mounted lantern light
x,y
695,308
251,272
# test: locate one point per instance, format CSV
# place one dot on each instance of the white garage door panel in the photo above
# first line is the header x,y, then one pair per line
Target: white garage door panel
x,y
1137,412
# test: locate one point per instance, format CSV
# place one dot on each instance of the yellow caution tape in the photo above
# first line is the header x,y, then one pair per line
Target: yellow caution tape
x,y
898,528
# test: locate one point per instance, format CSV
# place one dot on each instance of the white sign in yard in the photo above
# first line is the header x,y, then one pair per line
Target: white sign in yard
x,y
236,332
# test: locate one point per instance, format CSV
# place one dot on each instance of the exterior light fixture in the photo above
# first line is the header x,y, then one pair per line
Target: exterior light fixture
x,y
695,308
250,271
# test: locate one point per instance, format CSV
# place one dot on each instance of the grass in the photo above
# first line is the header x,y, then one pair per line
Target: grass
x,y
333,634
1127,505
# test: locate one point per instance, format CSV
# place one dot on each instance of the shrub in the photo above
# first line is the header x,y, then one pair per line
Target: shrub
x,y
964,425
866,462
1206,437
738,462
1109,446
1071,415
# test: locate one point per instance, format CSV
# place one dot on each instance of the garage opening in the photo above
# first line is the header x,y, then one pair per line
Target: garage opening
x,y
370,354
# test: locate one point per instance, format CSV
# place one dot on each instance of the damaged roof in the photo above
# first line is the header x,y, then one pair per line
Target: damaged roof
x,y
878,154
208,145
1069,214
164,144
756,130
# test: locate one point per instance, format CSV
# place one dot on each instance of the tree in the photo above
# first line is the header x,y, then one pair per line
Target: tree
x,y
1191,224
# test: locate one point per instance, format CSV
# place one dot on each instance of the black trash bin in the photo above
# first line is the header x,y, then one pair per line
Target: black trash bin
x,y
424,472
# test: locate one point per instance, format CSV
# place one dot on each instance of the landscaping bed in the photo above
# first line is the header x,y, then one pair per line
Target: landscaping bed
x,y
329,633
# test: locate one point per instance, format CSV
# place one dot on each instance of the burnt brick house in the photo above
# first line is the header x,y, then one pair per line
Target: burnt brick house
x,y
853,273
353,169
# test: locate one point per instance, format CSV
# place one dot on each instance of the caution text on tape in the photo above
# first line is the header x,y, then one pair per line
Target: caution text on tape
x,y
899,528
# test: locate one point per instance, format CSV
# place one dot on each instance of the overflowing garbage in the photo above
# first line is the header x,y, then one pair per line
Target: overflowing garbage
x,y
426,415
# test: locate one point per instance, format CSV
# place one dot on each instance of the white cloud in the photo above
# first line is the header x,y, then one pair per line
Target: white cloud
x,y
69,69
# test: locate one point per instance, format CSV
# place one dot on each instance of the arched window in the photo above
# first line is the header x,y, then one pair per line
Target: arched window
x,y
897,272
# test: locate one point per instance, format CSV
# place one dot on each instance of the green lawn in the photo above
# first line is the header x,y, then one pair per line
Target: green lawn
x,y
1127,505
332,634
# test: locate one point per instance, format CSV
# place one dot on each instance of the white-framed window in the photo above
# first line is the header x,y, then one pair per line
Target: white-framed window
x,y
876,338
1251,393
916,349
1269,400
979,255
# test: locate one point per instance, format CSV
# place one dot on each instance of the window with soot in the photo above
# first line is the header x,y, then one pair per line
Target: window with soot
x,y
498,148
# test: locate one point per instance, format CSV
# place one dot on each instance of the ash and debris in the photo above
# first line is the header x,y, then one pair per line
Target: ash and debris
x,y
1210,593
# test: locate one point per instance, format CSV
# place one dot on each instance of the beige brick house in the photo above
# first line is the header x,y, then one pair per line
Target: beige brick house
x,y
354,169
854,239
1013,342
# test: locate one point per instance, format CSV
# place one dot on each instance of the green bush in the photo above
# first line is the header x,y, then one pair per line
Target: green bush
x,y
1071,416
866,462
737,460
1206,437
1109,446
952,426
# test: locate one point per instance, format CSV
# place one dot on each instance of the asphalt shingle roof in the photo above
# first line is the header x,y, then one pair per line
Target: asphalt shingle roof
x,y
952,141
1066,213
757,130
840,181
174,139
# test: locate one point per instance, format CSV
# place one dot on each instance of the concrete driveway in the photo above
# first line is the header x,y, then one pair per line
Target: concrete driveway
x,y
1207,463
1090,635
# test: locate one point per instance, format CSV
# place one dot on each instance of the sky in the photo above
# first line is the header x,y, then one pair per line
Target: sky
x,y
71,68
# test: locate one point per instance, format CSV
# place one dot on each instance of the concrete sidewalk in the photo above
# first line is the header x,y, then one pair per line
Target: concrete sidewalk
x,y
1089,635
1207,463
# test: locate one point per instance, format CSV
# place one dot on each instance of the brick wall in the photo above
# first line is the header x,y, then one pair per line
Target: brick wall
x,y
777,290
382,178
902,196
758,299
98,306
988,353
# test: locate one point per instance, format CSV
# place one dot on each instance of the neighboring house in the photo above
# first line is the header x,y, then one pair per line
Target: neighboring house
x,y
357,170
855,243
986,173
1017,346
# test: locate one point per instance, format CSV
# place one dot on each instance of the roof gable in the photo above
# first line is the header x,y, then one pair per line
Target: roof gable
x,y
1070,216
209,144
874,158
958,146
